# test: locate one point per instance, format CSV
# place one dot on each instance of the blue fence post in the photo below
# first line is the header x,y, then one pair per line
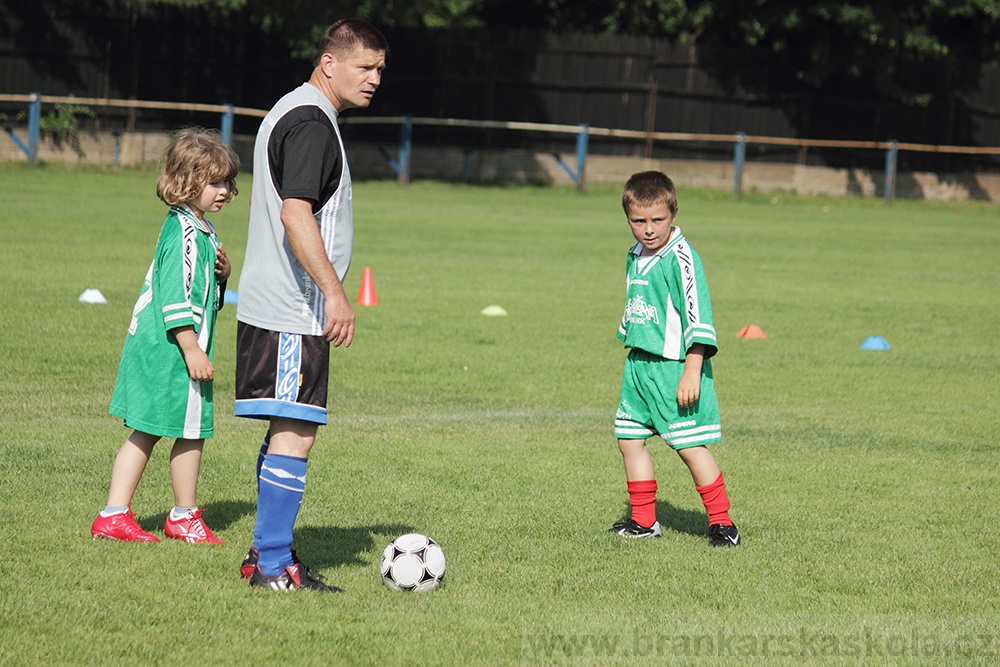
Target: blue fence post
x,y
401,165
405,145
739,159
227,125
118,149
890,169
582,139
582,143
34,120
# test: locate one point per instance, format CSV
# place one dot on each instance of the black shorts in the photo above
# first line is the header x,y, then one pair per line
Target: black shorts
x,y
281,375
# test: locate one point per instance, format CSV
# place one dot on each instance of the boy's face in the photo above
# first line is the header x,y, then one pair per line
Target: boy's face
x,y
651,225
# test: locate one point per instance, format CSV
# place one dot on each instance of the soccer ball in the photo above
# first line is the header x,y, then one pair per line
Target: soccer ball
x,y
413,562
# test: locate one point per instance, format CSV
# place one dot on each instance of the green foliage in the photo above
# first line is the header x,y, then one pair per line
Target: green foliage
x,y
899,51
863,481
61,125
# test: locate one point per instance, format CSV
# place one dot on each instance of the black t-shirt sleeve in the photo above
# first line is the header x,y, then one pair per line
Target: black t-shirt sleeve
x,y
305,156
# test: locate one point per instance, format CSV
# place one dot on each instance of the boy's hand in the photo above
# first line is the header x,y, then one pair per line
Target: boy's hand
x,y
688,389
198,365
222,267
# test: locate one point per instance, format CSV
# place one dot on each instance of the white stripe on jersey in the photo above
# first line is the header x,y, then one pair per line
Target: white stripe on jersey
x,y
144,300
192,416
672,330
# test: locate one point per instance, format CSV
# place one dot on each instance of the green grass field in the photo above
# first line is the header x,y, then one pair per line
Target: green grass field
x,y
864,482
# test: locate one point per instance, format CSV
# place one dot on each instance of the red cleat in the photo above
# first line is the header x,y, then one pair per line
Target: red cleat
x,y
121,527
190,528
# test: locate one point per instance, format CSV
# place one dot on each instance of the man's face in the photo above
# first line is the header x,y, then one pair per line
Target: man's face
x,y
354,78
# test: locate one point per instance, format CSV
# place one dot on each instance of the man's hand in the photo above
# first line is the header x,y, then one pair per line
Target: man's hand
x,y
339,328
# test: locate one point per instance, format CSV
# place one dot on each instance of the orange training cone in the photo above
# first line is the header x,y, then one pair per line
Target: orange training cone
x,y
751,331
366,295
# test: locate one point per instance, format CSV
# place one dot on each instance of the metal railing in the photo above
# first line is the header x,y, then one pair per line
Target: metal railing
x,y
400,164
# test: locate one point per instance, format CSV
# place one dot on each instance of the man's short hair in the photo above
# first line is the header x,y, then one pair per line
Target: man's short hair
x,y
346,35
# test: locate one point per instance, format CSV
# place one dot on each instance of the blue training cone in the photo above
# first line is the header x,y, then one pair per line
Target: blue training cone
x,y
231,296
875,343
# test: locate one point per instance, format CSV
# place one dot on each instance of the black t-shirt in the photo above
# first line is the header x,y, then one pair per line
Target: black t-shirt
x,y
305,156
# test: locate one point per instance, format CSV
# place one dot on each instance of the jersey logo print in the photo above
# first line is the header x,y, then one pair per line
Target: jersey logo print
x,y
190,255
637,311
686,264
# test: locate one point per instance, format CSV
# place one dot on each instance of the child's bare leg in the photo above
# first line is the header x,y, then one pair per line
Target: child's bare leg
x,y
128,468
185,464
184,521
638,462
641,485
701,463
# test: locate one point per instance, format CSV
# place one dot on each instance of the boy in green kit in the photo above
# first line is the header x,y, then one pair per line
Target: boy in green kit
x,y
667,385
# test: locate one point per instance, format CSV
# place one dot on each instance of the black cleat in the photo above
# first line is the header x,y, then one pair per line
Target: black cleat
x,y
250,563
294,577
632,529
723,536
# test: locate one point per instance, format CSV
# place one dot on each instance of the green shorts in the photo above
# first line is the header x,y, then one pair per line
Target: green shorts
x,y
649,403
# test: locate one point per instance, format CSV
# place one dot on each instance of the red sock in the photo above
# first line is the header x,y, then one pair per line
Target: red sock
x,y
716,502
642,498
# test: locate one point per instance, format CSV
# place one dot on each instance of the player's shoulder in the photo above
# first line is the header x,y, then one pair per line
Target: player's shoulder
x,y
171,222
680,245
304,115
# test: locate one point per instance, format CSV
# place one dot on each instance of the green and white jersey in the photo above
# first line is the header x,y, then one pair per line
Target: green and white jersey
x,y
153,392
668,308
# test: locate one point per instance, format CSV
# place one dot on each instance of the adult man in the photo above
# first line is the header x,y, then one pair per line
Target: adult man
x,y
292,303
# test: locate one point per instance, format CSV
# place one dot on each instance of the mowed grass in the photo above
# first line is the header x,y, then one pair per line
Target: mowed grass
x,y
864,482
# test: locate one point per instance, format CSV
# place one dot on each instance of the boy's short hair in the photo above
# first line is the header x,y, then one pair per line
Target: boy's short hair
x,y
195,158
346,35
648,188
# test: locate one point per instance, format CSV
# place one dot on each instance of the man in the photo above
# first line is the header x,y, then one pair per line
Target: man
x,y
292,303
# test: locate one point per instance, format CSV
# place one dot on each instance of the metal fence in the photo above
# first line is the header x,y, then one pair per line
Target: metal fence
x,y
630,83
582,134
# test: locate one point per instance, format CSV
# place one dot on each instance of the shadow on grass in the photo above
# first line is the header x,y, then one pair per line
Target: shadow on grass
x,y
219,516
320,546
681,521
330,546
676,519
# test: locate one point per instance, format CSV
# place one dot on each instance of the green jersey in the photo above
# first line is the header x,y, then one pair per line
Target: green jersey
x,y
668,307
154,392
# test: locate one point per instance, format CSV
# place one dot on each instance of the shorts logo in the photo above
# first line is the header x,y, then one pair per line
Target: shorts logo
x,y
637,311
289,363
690,422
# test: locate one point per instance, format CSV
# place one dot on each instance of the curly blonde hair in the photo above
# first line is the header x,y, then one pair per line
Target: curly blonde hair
x,y
195,158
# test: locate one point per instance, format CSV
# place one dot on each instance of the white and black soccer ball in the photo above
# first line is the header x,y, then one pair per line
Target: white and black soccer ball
x,y
413,562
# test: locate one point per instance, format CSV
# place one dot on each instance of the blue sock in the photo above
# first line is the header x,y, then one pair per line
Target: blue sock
x,y
282,482
260,462
260,457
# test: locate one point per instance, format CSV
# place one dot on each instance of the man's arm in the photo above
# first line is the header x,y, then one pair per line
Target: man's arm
x,y
307,244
